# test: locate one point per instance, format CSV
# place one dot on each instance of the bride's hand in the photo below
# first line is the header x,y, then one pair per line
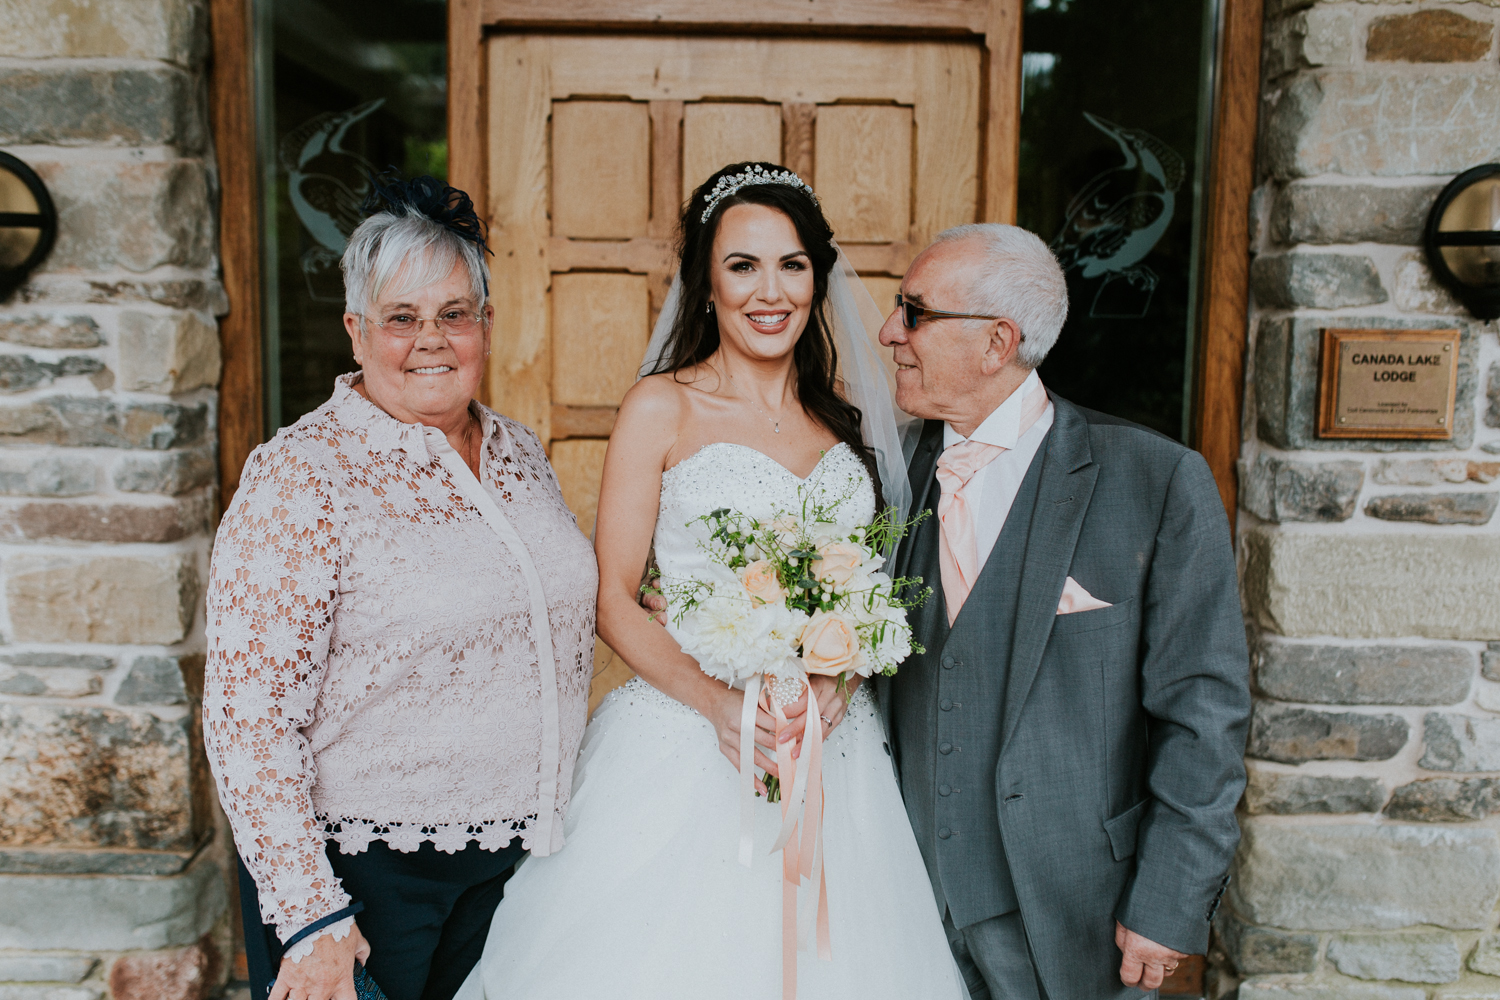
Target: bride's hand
x,y
832,706
726,721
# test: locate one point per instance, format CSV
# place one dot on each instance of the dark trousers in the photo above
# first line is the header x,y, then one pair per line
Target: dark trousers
x,y
427,915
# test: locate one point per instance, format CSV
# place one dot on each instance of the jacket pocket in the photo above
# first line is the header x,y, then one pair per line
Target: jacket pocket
x,y
1088,621
1122,830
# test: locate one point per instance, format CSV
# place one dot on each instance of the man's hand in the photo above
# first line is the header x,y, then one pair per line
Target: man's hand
x,y
326,974
1146,963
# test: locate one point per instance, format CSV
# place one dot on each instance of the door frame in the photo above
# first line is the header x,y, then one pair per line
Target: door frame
x,y
1224,300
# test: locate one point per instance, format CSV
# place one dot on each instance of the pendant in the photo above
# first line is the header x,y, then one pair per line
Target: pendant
x,y
777,428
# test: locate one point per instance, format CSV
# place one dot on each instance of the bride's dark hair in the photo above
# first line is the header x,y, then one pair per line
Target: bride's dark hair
x,y
695,331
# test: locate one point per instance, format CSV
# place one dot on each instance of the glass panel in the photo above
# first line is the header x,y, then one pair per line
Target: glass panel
x,y
347,87
1113,123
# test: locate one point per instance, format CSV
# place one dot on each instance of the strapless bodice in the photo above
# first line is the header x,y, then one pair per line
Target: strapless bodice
x,y
749,481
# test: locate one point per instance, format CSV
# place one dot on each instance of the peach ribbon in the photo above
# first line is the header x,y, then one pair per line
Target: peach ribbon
x,y
800,839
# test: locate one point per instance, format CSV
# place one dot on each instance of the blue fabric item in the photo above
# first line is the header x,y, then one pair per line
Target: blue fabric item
x,y
323,922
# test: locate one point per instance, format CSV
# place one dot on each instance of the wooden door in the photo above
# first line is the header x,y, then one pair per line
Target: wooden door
x,y
595,142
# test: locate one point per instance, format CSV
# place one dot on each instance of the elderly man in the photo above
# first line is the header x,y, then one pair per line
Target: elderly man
x,y
1069,746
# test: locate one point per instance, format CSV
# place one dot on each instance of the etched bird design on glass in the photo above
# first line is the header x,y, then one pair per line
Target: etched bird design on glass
x,y
1117,219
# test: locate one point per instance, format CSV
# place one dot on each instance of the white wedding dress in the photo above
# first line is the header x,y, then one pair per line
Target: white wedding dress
x,y
647,899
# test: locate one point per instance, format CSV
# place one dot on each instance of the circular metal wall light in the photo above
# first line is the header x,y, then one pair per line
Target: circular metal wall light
x,y
28,222
1463,239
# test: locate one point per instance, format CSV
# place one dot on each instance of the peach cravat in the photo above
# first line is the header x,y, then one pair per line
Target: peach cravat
x,y
958,546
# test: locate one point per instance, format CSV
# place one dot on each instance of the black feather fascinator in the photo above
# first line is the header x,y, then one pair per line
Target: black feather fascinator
x,y
447,206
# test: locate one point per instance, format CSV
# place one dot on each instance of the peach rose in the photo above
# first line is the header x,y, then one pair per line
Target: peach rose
x,y
761,583
830,645
837,563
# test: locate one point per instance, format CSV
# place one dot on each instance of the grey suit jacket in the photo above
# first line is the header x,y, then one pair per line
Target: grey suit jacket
x,y
1094,757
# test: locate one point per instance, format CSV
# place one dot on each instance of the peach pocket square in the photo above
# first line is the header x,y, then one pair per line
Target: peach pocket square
x,y
1076,599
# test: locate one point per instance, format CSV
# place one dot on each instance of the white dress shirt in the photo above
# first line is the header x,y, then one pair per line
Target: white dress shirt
x,y
993,489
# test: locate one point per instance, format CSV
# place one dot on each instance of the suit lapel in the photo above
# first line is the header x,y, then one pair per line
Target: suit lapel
x,y
922,475
1067,484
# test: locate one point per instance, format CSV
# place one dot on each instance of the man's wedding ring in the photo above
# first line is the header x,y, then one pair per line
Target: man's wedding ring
x,y
826,719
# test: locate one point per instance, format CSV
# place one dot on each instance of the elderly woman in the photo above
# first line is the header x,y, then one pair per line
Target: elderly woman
x,y
400,626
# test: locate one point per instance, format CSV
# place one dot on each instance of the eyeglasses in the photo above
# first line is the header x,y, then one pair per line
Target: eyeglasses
x,y
911,313
452,322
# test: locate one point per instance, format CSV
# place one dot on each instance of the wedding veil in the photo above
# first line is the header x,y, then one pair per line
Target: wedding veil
x,y
854,322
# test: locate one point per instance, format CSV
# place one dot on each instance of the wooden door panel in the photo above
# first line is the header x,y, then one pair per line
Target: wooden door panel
x,y
601,169
863,159
600,325
596,141
718,133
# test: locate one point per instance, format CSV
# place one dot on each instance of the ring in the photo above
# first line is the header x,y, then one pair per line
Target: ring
x,y
826,719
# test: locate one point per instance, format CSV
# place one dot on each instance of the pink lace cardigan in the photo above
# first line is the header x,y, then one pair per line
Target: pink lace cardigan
x,y
377,663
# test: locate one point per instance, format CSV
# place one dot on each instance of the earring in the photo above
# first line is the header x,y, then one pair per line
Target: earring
x,y
710,307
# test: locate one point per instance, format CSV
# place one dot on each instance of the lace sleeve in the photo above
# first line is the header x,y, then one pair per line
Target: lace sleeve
x,y
270,605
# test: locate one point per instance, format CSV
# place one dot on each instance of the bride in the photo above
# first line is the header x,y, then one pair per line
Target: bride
x,y
648,899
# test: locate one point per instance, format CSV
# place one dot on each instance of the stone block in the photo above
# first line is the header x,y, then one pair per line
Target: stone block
x,y
73,861
1489,662
183,974
48,661
86,522
1486,957
19,372
134,216
1281,794
1430,957
40,991
50,331
1283,489
45,968
1364,675
1315,281
1416,290
56,682
1256,951
1380,124
1445,800
104,422
42,475
118,599
67,290
1492,396
1323,36
1286,383
1435,508
1333,877
1350,212
1428,36
1432,471
1458,742
48,104
153,680
1255,989
94,777
167,353
1297,735
112,913
172,30
1372,586
173,472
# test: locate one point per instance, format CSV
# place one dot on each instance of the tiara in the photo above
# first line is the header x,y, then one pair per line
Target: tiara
x,y
730,183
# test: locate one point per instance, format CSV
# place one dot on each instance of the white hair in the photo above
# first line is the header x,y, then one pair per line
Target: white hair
x,y
409,249
1019,279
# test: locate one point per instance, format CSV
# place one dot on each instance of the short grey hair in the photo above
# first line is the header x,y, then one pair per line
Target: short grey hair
x,y
408,248
1019,279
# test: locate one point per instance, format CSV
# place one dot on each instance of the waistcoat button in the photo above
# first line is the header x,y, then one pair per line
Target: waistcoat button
x,y
944,789
944,833
946,705
948,663
945,748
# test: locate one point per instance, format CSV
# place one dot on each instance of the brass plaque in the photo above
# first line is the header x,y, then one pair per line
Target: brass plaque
x,y
1387,383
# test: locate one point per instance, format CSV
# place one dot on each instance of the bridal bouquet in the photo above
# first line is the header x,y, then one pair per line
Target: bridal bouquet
x,y
794,594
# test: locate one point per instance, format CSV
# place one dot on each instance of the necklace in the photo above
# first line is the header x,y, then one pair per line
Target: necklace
x,y
775,424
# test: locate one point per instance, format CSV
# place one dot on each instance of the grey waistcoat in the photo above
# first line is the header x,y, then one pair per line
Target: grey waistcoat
x,y
947,705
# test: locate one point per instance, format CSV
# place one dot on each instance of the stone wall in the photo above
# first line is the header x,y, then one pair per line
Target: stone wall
x,y
111,867
1370,866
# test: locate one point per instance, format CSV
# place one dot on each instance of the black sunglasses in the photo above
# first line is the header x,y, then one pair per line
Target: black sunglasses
x,y
911,313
